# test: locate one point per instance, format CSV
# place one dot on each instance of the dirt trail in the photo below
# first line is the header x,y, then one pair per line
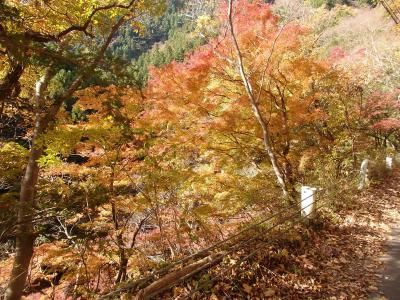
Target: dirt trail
x,y
389,273
389,286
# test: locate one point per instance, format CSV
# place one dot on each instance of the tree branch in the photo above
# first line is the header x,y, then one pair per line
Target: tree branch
x,y
83,28
255,106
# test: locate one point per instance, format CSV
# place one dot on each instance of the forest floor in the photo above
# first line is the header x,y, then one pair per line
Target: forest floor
x,y
352,251
342,257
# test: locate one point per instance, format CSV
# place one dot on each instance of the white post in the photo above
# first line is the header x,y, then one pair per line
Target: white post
x,y
389,162
307,201
363,174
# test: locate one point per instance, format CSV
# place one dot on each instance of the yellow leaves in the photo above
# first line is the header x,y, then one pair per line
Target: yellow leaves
x,y
204,210
177,291
247,288
230,261
56,256
228,202
105,213
52,17
133,271
284,252
206,26
203,20
223,196
12,160
139,27
372,288
397,53
213,297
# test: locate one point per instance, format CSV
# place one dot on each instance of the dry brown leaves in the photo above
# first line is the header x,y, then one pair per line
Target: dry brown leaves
x,y
334,259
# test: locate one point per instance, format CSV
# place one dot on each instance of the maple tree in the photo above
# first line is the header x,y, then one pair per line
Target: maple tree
x,y
121,140
287,96
381,115
111,139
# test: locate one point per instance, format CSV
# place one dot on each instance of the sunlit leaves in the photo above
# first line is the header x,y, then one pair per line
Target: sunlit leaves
x,y
12,160
52,17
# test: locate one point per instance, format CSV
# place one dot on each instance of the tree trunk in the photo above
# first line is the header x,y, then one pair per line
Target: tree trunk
x,y
257,113
10,84
160,285
123,265
25,232
123,260
46,115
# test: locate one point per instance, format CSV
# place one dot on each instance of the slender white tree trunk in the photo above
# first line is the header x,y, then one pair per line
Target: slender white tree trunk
x,y
25,232
256,110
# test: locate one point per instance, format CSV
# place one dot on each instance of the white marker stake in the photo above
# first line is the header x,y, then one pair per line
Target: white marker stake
x,y
363,174
389,162
307,201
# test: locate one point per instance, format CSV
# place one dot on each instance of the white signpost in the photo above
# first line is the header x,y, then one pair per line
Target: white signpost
x,y
389,162
307,201
363,174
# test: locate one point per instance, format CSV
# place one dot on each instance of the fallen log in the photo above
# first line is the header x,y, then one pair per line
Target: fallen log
x,y
177,276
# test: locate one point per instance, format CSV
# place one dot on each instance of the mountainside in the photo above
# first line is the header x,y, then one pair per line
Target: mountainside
x,y
196,149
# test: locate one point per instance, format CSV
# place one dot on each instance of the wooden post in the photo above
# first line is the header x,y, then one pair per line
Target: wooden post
x,y
363,175
307,201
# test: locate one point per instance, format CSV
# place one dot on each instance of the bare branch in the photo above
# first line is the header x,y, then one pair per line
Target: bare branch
x,y
85,26
268,62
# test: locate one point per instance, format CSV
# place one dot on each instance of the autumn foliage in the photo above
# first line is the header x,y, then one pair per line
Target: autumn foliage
x,y
132,179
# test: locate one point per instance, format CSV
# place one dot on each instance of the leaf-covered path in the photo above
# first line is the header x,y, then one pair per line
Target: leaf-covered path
x,y
389,282
337,259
